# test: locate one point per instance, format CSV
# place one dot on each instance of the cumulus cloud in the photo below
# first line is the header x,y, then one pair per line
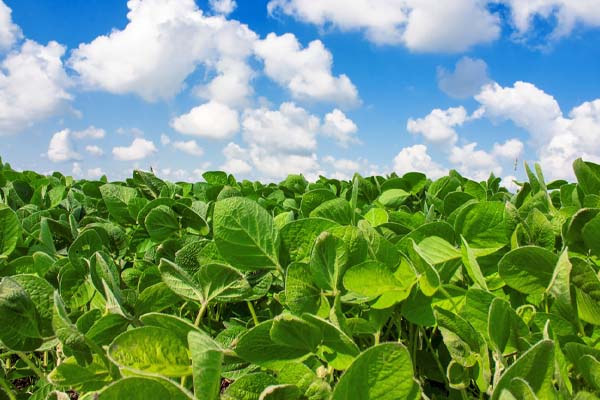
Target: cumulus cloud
x,y
163,43
231,86
420,25
510,149
164,139
564,14
189,147
10,33
33,85
61,149
341,128
466,80
224,7
290,128
306,73
95,173
94,150
438,126
137,150
416,158
90,133
212,120
473,163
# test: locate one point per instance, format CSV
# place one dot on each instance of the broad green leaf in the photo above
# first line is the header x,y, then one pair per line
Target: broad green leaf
x,y
327,261
10,230
505,327
151,350
142,388
256,346
248,387
116,198
245,234
528,269
298,237
469,260
73,341
161,223
337,348
313,199
461,339
429,279
301,293
372,279
291,331
588,176
536,367
586,283
83,248
337,210
18,317
393,198
70,374
207,357
280,392
380,373
436,250
483,224
377,216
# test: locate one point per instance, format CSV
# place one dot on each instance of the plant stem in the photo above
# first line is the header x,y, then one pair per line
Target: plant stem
x,y
201,313
31,365
437,360
253,312
5,385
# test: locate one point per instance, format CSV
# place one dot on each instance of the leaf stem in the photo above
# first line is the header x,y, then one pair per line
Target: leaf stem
x,y
7,389
31,365
253,312
201,313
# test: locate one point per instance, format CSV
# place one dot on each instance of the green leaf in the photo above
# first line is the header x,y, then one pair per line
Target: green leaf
x,y
245,234
301,293
18,317
141,388
393,198
505,327
73,341
280,392
337,348
116,198
256,346
327,261
83,248
337,210
313,199
528,269
207,357
248,387
586,283
536,367
294,332
151,349
383,372
10,230
483,224
588,176
436,250
70,374
471,265
161,223
372,279
461,339
298,237
377,216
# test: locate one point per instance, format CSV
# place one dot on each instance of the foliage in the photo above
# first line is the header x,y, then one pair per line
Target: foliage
x,y
375,288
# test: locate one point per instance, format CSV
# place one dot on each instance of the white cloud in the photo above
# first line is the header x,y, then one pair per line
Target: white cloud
x,y
137,150
94,150
163,43
305,72
224,7
473,163
567,14
420,25
10,33
291,128
60,147
438,126
76,169
527,106
95,173
511,149
279,165
212,120
90,133
236,160
164,139
189,147
466,80
416,158
342,168
33,85
340,128
231,86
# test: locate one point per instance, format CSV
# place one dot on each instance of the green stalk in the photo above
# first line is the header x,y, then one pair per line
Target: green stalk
x,y
253,312
437,360
7,389
31,365
201,313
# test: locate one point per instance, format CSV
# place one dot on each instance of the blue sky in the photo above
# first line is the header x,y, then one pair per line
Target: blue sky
x,y
266,88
